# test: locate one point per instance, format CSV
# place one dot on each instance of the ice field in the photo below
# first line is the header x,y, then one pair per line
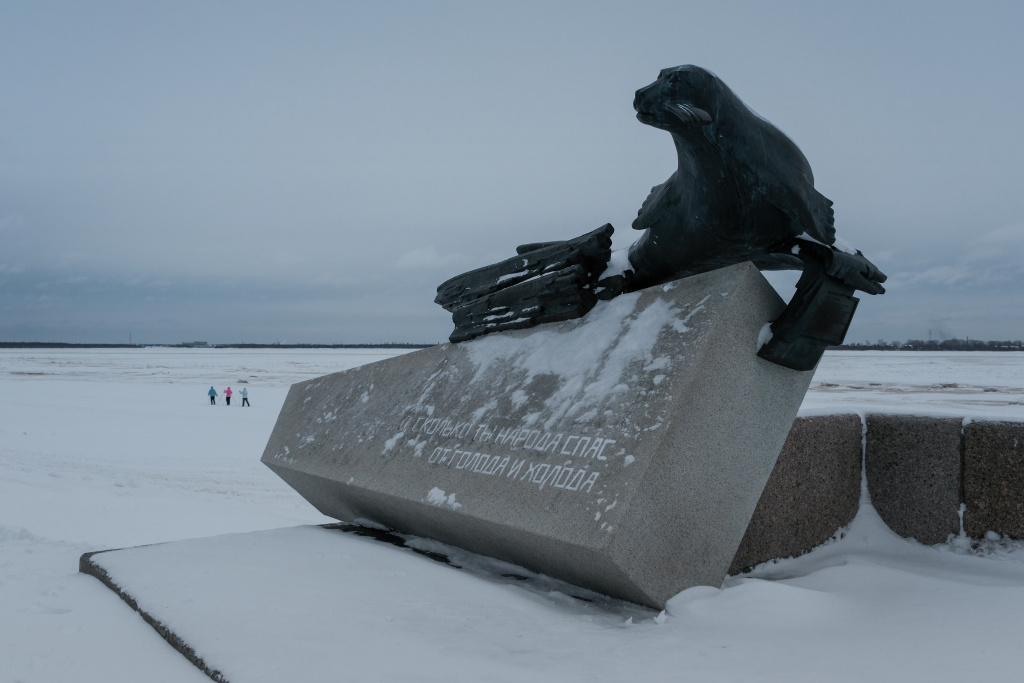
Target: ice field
x,y
116,448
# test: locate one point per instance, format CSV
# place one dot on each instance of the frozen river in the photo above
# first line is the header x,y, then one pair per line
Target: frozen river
x,y
115,448
983,385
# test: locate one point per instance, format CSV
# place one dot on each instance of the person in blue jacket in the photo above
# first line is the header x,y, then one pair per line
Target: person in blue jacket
x,y
213,396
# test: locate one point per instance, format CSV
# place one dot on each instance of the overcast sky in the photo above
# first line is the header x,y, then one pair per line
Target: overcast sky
x,y
310,172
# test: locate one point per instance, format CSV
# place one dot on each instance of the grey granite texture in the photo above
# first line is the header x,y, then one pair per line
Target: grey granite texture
x,y
994,478
624,452
913,471
813,491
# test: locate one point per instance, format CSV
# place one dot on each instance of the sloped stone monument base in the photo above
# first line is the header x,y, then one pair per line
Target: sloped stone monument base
x,y
623,452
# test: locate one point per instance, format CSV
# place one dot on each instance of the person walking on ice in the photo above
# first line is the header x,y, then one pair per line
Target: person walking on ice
x,y
212,393
227,395
245,397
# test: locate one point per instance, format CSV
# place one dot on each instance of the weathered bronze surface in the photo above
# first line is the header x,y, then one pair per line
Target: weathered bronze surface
x,y
742,191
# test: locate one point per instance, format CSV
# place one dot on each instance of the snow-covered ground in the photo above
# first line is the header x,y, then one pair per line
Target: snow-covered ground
x,y
107,449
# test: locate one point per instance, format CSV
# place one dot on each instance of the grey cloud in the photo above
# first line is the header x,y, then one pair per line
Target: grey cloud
x,y
318,170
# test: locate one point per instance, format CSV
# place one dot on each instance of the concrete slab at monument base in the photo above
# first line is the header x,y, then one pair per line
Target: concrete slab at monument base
x,y
624,452
308,605
276,605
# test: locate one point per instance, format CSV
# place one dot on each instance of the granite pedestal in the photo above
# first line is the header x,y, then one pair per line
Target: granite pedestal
x,y
623,452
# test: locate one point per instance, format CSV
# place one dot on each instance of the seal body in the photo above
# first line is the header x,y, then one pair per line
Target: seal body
x,y
741,188
742,192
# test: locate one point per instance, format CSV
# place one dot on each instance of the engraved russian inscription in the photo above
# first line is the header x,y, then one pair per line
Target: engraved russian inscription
x,y
453,443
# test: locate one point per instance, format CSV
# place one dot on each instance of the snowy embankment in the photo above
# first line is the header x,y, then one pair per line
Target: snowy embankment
x,y
107,449
981,386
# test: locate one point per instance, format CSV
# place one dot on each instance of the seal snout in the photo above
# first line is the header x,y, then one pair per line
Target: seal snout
x,y
643,113
641,96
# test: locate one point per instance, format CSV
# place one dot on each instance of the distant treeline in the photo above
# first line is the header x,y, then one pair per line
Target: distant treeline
x,y
947,345
61,345
389,345
880,345
190,345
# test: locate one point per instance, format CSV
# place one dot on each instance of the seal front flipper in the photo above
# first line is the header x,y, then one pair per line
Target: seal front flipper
x,y
651,211
823,220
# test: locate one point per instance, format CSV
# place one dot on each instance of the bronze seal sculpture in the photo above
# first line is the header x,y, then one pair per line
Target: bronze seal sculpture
x,y
742,191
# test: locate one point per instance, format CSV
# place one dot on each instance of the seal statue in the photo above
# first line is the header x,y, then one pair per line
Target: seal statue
x,y
742,191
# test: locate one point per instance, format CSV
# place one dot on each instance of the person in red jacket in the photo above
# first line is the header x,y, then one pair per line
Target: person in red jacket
x,y
227,395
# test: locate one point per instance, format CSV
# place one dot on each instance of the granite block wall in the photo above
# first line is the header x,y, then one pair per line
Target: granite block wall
x,y
919,470
913,471
813,491
993,478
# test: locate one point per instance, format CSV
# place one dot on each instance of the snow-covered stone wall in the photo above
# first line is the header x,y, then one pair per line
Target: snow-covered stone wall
x,y
928,478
